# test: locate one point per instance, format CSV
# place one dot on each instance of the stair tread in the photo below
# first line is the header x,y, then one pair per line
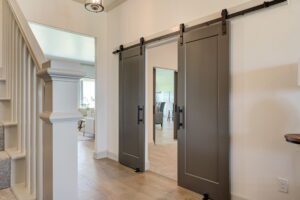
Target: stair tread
x,y
9,123
7,194
14,154
4,99
4,156
21,192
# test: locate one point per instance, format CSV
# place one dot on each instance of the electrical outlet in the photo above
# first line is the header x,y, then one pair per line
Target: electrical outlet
x,y
283,185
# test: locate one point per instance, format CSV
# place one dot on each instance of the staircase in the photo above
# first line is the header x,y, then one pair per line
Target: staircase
x,y
20,104
38,116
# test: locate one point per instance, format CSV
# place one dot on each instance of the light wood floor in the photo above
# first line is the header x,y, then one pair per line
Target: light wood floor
x,y
163,159
163,154
165,134
108,180
7,194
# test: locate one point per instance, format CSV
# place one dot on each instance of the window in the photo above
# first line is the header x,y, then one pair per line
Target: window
x,y
87,93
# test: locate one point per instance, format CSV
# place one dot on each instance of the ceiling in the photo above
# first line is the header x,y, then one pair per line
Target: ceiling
x,y
108,4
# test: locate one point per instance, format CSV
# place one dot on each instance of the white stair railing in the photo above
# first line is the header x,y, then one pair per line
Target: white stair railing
x,y
44,116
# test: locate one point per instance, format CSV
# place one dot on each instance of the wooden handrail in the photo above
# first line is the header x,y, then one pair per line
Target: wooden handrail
x,y
32,44
293,138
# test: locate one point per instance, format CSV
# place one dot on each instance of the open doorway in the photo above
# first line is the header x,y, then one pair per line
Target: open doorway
x,y
76,52
164,84
161,78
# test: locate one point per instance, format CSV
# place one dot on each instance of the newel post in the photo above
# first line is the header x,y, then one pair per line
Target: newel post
x,y
60,115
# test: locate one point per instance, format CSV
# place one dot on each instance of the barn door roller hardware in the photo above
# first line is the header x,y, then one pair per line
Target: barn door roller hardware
x,y
120,51
225,16
182,29
224,21
142,42
206,196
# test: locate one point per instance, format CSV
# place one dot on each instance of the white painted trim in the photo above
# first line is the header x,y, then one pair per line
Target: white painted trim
x,y
7,124
21,193
50,74
113,156
100,155
237,197
2,72
106,154
147,165
81,62
5,99
31,42
60,117
203,19
14,154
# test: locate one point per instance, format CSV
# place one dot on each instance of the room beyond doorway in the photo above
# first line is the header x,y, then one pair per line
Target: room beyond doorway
x,y
161,95
164,106
163,150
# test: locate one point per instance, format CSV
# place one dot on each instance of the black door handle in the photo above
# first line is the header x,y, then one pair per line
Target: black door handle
x,y
180,122
140,109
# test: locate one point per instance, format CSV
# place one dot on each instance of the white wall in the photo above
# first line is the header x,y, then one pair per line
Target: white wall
x,y
71,16
264,93
63,44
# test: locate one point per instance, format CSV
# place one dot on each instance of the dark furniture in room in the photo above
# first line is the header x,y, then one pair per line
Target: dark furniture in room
x,y
159,113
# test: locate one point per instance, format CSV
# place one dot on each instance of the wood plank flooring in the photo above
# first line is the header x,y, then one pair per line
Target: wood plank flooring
x,y
163,154
163,159
7,194
108,180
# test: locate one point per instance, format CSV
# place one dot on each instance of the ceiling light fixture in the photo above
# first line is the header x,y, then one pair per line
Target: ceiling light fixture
x,y
94,6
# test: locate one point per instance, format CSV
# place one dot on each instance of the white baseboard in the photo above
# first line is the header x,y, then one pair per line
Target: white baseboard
x,y
105,154
147,165
100,155
237,197
113,156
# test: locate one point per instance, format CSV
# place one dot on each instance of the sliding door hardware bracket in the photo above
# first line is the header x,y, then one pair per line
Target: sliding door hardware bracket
x,y
182,29
142,43
224,21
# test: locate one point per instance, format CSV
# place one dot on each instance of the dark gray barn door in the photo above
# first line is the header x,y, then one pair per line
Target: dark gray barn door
x,y
203,98
132,108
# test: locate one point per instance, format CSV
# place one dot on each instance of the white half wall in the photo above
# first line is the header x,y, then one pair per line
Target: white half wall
x,y
264,95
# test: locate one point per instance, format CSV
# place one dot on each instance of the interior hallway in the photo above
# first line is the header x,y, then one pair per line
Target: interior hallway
x,y
108,180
